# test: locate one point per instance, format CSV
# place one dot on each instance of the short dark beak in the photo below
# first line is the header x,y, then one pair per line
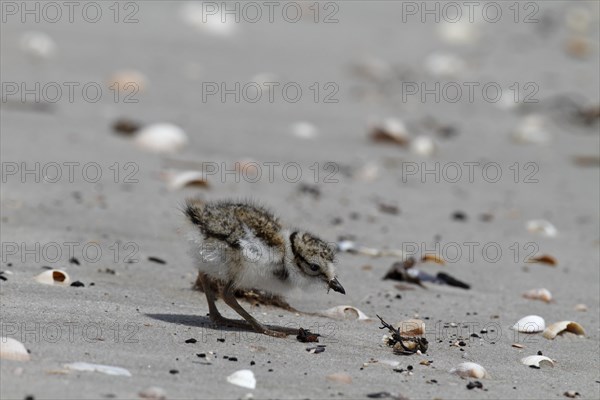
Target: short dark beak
x,y
335,285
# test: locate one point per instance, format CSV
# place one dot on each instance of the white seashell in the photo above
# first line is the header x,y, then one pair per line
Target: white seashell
x,y
470,370
531,130
105,369
391,130
423,146
243,378
537,361
538,294
127,82
194,14
153,393
444,65
561,327
339,377
581,307
183,179
54,277
12,349
161,138
461,32
346,245
543,227
38,45
345,312
530,324
304,130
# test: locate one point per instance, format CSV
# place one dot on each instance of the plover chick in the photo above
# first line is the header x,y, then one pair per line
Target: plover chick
x,y
244,246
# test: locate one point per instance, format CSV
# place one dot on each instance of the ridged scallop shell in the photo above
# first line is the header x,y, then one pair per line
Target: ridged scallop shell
x,y
54,277
537,361
470,370
12,349
538,294
530,324
345,312
243,378
558,328
161,138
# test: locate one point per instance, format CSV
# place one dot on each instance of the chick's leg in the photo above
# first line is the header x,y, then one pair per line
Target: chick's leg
x,y
276,331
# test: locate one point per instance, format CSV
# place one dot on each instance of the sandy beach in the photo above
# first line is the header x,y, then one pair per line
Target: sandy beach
x,y
476,142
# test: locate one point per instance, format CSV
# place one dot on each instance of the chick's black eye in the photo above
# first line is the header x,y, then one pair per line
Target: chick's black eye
x,y
314,267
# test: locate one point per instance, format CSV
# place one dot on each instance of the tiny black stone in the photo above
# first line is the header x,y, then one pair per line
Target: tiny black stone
x,y
233,359
459,216
173,371
539,353
462,344
3,278
157,260
73,260
222,340
379,395
77,284
201,355
252,363
475,335
270,370
474,384
191,340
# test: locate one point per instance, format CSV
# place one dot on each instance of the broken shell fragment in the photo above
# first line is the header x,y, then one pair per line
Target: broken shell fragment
x,y
105,369
54,277
127,82
531,130
538,294
581,307
537,361
243,378
339,377
559,328
391,130
345,312
12,349
470,370
153,393
161,138
543,227
423,146
530,324
543,259
184,179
